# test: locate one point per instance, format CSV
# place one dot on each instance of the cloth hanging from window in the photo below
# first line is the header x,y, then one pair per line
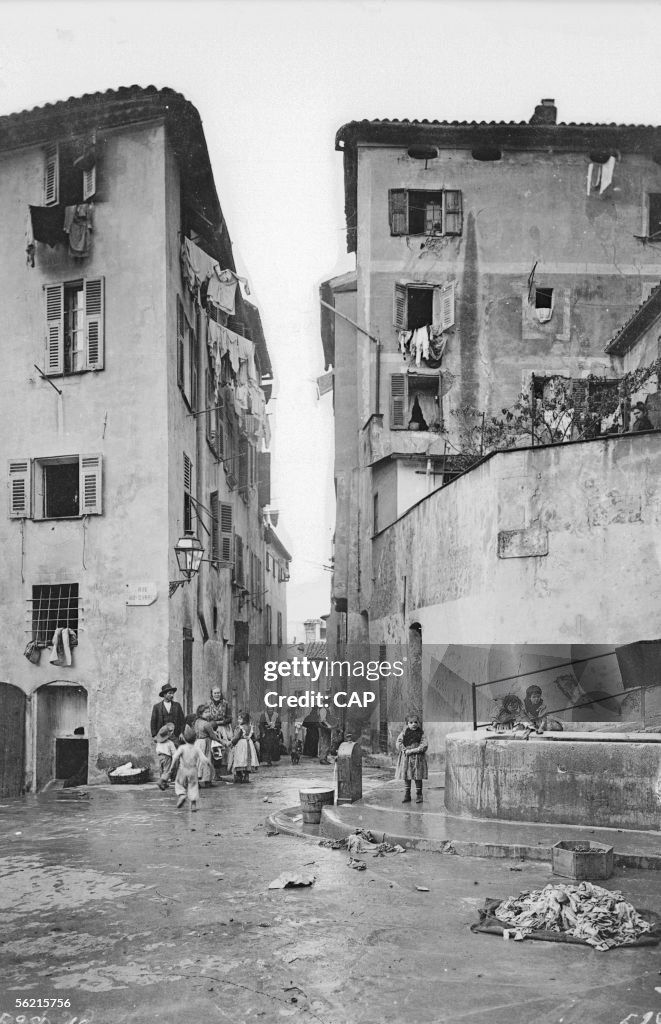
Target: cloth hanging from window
x,y
196,265
221,290
63,640
78,225
48,225
543,314
32,652
606,175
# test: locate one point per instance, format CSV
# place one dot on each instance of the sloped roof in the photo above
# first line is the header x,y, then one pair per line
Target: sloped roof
x,y
638,322
515,136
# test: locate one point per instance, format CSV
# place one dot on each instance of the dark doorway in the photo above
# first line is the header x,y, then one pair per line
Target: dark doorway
x,y
71,759
12,740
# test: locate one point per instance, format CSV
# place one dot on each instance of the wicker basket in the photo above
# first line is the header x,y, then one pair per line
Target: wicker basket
x,y
129,780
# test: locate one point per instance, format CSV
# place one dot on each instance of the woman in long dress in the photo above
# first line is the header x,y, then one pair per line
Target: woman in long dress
x,y
243,756
270,734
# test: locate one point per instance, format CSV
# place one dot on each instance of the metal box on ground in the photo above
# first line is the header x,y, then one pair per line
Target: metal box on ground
x,y
349,766
582,860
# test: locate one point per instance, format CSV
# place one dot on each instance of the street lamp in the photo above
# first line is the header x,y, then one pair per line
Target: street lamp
x,y
189,551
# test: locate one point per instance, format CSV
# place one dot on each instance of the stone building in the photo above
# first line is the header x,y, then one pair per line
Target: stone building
x,y
490,259
136,378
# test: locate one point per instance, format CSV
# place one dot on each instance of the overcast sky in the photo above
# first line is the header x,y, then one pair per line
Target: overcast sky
x,y
273,80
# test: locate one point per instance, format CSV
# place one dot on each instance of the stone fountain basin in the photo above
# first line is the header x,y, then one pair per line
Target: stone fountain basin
x,y
610,780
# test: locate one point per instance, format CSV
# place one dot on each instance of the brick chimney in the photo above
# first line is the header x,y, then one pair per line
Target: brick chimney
x,y
546,112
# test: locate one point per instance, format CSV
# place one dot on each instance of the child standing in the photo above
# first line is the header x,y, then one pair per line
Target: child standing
x,y
189,757
165,750
412,762
243,756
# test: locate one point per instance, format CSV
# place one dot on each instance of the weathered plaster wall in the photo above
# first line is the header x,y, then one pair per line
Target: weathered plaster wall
x,y
600,783
524,209
599,505
119,412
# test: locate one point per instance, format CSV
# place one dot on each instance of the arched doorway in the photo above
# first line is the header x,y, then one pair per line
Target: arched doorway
x,y
61,733
12,740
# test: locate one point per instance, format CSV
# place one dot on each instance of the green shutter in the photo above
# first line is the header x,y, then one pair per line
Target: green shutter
x,y
398,401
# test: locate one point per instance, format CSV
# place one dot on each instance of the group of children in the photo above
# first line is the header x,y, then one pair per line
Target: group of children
x,y
190,762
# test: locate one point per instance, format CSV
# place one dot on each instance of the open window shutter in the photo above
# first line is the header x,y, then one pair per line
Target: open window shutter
x,y
238,559
220,429
400,308
211,417
89,182
398,401
398,209
443,307
188,474
226,532
54,328
243,463
94,341
90,485
180,343
215,526
452,201
19,489
51,176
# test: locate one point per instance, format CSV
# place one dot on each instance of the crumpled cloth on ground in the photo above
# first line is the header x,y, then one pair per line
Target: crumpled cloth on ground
x,y
126,769
583,913
362,841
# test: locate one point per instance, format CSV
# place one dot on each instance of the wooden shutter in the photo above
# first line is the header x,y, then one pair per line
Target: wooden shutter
x,y
226,533
181,324
192,367
54,328
19,489
443,307
94,340
238,559
453,208
51,176
89,182
188,474
215,526
244,455
398,211
400,308
90,485
398,401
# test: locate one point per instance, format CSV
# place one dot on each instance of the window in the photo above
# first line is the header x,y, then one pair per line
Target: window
x,y
188,487
69,172
59,488
421,306
186,358
279,629
74,326
654,216
269,626
415,401
414,212
54,606
543,304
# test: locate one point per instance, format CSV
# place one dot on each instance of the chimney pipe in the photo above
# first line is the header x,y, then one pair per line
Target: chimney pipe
x,y
546,112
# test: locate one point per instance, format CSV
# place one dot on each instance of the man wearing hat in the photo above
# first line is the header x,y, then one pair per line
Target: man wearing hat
x,y
167,710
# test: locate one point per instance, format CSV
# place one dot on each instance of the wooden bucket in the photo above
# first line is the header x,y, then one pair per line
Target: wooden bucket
x,y
312,800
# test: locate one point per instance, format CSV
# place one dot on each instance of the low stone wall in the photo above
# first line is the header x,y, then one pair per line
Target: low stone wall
x,y
609,782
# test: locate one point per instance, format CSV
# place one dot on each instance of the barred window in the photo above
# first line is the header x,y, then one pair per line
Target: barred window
x,y
54,606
